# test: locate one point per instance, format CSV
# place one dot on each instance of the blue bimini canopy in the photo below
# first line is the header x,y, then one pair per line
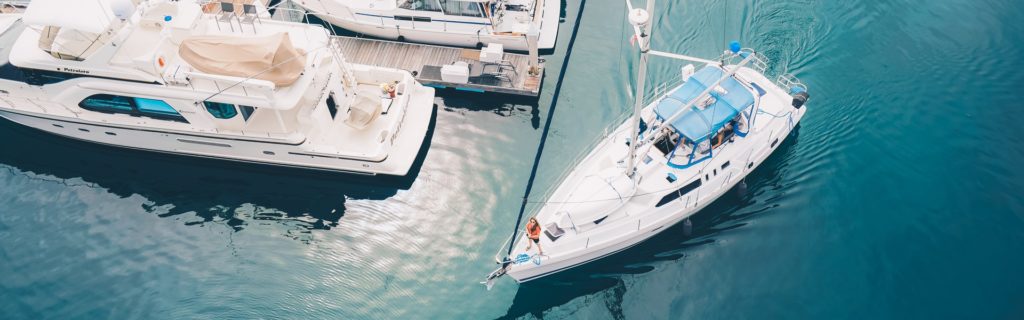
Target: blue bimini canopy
x,y
698,124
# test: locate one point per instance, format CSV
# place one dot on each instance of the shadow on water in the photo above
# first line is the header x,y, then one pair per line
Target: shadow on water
x,y
500,104
725,213
211,189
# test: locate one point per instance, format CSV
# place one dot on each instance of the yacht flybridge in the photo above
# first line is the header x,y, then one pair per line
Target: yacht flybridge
x,y
679,153
464,23
216,81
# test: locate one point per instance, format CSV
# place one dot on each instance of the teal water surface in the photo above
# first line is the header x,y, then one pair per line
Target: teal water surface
x,y
899,196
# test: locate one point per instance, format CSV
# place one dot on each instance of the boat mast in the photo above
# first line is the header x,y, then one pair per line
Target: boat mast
x,y
640,20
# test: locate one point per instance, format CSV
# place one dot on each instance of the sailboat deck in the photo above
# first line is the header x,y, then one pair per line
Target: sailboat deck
x,y
425,61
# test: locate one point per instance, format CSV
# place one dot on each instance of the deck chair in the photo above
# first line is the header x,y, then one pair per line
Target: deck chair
x,y
499,71
250,16
227,13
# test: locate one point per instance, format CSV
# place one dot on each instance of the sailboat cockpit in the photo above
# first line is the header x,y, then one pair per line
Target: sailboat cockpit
x,y
725,114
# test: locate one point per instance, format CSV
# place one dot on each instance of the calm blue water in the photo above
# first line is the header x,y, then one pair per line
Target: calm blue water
x,y
898,197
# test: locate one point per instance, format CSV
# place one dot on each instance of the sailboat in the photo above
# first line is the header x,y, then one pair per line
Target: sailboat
x,y
676,155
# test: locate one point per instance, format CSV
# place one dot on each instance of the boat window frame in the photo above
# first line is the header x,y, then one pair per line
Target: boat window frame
x,y
479,9
238,109
679,193
246,111
408,5
131,107
332,105
220,114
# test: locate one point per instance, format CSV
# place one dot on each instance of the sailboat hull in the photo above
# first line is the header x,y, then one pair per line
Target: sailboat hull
x,y
653,209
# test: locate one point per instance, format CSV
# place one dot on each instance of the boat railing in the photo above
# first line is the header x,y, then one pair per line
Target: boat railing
x,y
759,62
789,81
593,144
501,256
663,88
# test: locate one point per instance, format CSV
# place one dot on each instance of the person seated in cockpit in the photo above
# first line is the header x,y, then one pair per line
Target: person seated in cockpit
x,y
723,135
741,123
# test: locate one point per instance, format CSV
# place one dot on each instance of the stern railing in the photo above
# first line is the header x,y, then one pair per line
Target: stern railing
x,y
789,81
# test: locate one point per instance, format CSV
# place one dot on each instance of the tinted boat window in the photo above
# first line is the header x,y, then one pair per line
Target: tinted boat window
x,y
220,110
421,5
142,107
331,105
107,103
246,111
679,193
461,8
157,109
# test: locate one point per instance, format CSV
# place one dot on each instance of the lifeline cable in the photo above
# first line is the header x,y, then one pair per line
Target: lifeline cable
x,y
547,125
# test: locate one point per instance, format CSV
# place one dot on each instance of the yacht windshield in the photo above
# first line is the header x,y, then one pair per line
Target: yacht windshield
x,y
462,8
420,5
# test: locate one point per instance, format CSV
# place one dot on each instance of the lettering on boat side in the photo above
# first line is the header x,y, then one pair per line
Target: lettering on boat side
x,y
66,69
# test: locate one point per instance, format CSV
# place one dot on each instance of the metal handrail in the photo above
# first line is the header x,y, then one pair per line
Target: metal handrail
x,y
501,249
789,81
759,62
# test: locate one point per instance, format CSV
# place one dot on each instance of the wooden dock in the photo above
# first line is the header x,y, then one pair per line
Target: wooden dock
x,y
425,62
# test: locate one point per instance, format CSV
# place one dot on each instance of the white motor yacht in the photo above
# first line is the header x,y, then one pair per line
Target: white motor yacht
x,y
463,23
679,153
208,80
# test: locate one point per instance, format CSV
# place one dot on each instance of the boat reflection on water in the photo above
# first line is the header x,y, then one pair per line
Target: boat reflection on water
x,y
211,190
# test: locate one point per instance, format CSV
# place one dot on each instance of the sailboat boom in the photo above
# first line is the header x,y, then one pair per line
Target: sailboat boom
x,y
680,57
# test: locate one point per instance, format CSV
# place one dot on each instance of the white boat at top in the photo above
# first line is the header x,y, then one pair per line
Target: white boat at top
x,y
682,151
208,80
463,23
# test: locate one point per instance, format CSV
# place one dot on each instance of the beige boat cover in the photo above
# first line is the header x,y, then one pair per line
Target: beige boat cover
x,y
271,58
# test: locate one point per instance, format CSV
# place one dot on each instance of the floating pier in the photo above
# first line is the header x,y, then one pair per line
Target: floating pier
x,y
511,76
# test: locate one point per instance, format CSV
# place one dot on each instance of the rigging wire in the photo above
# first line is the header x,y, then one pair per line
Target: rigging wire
x,y
709,135
725,20
706,163
547,124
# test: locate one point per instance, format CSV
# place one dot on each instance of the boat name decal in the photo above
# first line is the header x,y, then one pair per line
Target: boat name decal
x,y
66,69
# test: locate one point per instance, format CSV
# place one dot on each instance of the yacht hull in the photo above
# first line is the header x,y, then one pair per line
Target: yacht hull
x,y
427,37
398,162
452,33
